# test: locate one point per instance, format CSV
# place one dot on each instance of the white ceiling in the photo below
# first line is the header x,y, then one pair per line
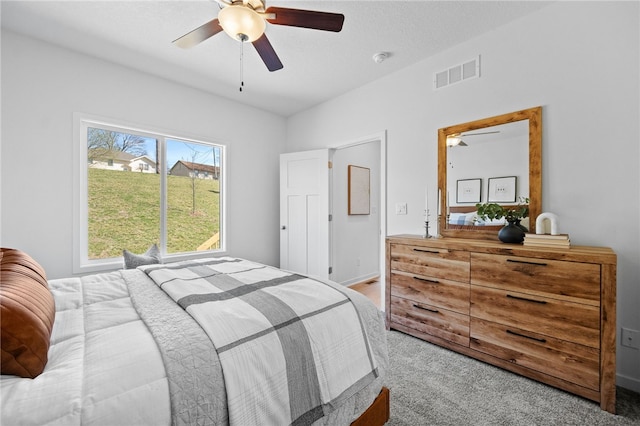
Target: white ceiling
x,y
318,65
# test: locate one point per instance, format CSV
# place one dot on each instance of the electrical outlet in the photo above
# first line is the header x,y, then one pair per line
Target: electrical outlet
x,y
630,338
401,208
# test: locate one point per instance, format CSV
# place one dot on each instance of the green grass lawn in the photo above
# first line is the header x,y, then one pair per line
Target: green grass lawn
x,y
124,212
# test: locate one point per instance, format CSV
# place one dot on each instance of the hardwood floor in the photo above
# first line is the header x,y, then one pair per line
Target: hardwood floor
x,y
371,289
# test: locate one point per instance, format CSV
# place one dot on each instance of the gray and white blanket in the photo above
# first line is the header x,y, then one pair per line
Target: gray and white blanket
x,y
292,348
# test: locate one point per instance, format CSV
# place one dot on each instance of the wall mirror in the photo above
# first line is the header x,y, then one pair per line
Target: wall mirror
x,y
496,159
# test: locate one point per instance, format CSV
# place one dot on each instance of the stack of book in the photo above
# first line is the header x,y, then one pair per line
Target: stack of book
x,y
547,240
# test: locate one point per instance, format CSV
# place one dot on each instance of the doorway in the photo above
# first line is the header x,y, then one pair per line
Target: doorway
x,y
345,248
358,241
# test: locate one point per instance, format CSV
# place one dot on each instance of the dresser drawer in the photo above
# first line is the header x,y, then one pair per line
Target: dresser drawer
x,y
430,262
447,294
573,281
432,320
564,320
565,360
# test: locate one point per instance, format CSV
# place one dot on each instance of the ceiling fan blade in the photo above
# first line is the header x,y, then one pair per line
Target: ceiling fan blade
x,y
324,21
268,55
199,35
481,133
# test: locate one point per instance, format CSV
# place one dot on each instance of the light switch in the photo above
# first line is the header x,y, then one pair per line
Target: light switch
x,y
401,208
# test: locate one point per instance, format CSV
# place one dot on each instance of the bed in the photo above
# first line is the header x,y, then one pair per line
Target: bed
x,y
466,217
136,347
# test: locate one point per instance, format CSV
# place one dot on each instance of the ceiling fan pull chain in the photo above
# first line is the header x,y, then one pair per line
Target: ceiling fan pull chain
x,y
241,65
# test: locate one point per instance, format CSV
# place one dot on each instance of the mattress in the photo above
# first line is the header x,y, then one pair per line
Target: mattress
x,y
123,352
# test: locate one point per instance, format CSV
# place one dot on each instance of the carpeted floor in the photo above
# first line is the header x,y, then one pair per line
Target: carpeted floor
x,y
431,385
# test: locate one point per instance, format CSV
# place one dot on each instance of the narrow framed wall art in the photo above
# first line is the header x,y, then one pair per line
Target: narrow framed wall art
x,y
359,190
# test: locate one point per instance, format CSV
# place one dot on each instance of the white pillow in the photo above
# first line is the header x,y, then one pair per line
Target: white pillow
x,y
492,222
462,218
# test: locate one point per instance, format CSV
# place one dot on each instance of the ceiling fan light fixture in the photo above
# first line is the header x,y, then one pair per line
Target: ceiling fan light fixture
x,y
241,22
453,140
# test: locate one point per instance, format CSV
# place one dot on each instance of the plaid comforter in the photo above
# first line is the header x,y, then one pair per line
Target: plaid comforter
x,y
291,348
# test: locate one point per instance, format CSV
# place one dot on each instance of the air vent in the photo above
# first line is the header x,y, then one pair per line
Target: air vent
x,y
457,73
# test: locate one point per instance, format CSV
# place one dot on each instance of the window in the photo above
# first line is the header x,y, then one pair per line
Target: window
x,y
151,196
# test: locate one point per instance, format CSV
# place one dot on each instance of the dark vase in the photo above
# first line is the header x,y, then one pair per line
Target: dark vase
x,y
513,232
524,228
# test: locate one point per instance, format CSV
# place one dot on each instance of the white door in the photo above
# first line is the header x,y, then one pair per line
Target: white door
x,y
304,212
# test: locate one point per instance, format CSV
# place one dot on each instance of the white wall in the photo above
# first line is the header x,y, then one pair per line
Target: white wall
x,y
43,85
580,61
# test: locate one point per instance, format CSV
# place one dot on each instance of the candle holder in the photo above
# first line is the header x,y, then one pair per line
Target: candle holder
x,y
426,225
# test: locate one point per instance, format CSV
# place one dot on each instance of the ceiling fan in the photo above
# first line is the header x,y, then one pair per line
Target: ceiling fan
x,y
455,139
245,20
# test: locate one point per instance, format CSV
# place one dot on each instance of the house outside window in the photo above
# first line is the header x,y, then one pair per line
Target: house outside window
x,y
120,208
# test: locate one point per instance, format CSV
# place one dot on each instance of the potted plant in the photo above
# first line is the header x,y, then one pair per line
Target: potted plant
x,y
513,232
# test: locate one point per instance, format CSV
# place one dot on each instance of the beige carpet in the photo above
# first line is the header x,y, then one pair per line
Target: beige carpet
x,y
431,385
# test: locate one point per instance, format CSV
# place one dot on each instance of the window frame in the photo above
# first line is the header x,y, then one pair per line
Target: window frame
x,y
82,121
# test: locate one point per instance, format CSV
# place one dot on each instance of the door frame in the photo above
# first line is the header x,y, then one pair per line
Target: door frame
x,y
382,208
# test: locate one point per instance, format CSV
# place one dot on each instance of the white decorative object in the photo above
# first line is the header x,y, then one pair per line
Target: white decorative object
x,y
426,202
542,220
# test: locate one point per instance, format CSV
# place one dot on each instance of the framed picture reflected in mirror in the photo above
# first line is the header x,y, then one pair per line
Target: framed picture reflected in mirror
x,y
502,189
468,190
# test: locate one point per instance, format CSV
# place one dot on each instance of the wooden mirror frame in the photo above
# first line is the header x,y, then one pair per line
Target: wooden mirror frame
x,y
534,115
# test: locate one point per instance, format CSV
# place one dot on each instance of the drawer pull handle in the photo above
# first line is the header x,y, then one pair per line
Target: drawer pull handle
x,y
527,263
527,337
426,251
426,279
435,311
542,302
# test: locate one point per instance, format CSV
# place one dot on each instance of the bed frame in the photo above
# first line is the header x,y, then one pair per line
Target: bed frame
x,y
378,412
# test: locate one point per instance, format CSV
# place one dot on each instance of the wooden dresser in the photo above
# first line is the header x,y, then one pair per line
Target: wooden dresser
x,y
545,313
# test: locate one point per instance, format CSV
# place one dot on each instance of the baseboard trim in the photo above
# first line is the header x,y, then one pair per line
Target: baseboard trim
x,y
628,382
362,279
